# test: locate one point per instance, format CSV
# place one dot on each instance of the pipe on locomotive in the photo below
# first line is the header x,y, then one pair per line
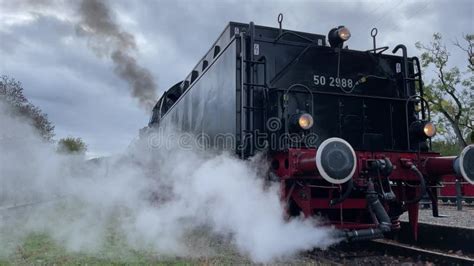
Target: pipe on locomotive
x,y
380,216
421,178
336,162
462,165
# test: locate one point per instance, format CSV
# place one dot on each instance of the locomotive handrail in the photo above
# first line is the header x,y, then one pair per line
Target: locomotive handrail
x,y
318,186
406,78
405,65
287,66
285,102
281,33
420,84
292,33
280,21
343,94
382,49
414,98
248,83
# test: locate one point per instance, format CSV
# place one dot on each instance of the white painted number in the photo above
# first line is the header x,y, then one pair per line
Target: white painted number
x,y
256,49
320,80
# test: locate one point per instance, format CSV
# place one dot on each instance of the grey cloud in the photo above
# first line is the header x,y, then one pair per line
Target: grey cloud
x,y
9,42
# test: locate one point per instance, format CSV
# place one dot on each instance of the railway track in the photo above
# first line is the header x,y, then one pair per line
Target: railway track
x,y
438,257
14,206
438,245
439,237
13,209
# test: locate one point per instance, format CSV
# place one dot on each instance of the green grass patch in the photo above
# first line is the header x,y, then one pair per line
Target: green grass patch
x,y
51,245
40,249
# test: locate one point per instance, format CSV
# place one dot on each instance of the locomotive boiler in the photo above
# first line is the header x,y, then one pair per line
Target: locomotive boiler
x,y
347,132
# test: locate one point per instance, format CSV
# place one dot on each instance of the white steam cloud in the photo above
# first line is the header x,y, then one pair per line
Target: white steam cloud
x,y
154,197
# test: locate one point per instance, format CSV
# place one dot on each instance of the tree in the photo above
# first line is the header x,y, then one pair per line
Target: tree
x,y
11,93
446,147
72,145
450,94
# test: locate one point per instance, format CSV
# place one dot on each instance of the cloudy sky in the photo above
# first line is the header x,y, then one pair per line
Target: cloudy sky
x,y
78,89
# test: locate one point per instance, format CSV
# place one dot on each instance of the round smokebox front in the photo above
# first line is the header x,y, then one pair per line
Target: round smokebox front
x,y
336,160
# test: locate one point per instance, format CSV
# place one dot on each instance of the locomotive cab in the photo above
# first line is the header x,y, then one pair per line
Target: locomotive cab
x,y
347,132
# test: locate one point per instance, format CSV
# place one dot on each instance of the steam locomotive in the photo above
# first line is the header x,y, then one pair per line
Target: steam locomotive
x,y
347,132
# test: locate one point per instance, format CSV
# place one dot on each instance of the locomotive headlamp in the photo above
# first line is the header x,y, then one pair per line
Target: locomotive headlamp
x,y
344,33
429,129
423,129
305,121
337,36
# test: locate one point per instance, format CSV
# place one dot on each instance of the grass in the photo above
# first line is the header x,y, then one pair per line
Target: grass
x,y
40,249
43,248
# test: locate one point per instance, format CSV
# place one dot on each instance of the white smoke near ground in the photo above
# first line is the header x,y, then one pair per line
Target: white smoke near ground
x,y
155,198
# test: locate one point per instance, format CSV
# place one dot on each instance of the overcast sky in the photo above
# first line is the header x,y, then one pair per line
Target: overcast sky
x,y
84,98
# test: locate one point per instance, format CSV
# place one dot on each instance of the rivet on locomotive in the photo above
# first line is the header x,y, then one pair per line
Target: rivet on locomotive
x,y
347,132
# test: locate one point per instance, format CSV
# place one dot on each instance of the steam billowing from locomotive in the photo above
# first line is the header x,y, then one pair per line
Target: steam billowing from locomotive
x,y
106,38
153,197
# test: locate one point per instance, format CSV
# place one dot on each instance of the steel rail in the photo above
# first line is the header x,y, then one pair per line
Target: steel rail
x,y
419,253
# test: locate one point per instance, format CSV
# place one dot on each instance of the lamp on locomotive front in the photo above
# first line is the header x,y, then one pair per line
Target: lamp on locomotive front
x,y
423,129
429,129
305,121
302,121
337,36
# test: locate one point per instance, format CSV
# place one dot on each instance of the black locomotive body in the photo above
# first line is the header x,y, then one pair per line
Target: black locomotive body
x,y
347,132
359,96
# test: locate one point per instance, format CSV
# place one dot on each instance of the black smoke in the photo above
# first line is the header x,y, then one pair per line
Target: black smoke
x,y
107,38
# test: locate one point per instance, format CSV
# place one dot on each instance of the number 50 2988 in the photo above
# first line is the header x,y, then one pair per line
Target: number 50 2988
x,y
321,80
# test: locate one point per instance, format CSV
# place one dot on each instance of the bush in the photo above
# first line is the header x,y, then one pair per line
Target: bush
x,y
72,145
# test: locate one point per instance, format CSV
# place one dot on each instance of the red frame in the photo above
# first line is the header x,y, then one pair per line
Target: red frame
x,y
298,167
448,190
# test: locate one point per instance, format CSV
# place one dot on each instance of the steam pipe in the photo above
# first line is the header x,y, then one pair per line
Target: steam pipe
x,y
461,165
350,186
382,218
422,185
376,206
439,166
307,163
